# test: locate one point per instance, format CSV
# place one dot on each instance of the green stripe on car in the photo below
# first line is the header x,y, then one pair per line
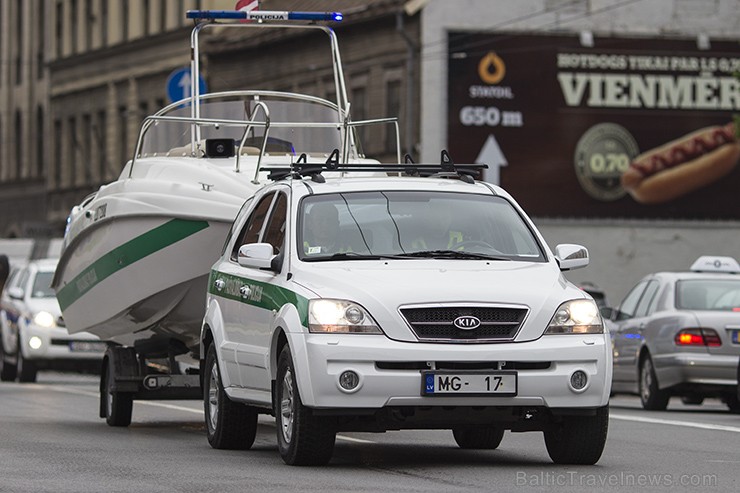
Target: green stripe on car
x,y
261,294
129,253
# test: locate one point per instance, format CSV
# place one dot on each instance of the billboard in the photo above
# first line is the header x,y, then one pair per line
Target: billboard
x,y
572,130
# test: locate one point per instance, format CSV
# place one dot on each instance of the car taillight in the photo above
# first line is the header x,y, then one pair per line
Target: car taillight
x,y
698,337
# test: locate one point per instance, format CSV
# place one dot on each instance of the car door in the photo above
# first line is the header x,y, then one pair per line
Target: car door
x,y
626,334
226,283
260,286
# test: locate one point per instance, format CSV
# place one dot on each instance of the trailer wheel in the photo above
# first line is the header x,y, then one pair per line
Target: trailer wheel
x,y
230,425
116,406
478,438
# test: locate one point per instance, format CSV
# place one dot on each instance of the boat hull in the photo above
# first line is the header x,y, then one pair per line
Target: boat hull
x,y
130,278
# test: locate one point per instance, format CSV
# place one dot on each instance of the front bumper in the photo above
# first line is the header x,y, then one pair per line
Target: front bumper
x,y
696,369
320,359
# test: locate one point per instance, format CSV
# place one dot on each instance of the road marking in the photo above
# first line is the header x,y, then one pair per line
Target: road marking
x,y
687,424
355,440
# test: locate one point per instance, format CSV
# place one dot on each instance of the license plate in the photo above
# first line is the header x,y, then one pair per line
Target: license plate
x,y
736,336
86,347
469,383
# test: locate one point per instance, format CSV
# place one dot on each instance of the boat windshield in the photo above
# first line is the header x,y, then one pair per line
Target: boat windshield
x,y
292,126
413,224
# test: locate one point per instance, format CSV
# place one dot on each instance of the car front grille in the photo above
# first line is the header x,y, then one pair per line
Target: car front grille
x,y
436,324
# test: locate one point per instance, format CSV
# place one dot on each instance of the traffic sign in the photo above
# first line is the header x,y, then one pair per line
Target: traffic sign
x,y
491,155
180,85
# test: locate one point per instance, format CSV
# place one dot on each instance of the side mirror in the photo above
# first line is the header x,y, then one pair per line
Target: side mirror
x,y
257,255
16,293
571,256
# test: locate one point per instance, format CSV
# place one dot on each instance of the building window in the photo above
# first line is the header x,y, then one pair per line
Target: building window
x,y
359,110
58,158
392,108
104,23
122,134
145,16
162,15
41,26
19,42
89,24
40,141
124,19
18,144
72,151
59,34
85,147
101,135
73,25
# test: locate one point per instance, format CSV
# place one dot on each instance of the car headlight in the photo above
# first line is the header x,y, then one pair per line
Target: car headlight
x,y
44,319
576,317
339,316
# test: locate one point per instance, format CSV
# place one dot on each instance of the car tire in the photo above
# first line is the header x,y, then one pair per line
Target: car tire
x,y
733,403
478,437
8,371
229,425
117,406
652,398
303,438
27,369
578,439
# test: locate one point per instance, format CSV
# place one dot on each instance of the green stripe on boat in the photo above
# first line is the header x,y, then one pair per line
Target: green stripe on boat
x,y
129,253
262,295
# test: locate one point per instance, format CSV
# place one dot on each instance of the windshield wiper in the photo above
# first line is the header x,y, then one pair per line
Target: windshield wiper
x,y
353,256
454,254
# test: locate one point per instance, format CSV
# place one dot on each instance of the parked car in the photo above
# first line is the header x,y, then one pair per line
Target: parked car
x,y
676,334
32,333
385,303
596,293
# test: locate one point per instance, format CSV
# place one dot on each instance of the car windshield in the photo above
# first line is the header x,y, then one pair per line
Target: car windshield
x,y
708,294
413,224
42,285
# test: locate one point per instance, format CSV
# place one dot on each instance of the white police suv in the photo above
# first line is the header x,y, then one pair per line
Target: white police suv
x,y
382,303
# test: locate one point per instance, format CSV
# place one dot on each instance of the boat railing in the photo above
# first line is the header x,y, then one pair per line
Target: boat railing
x,y
259,105
347,127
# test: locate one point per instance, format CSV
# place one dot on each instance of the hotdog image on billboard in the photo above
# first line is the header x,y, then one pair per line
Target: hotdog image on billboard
x,y
683,165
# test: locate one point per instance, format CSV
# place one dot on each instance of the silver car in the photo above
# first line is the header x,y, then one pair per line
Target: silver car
x,y
32,333
678,334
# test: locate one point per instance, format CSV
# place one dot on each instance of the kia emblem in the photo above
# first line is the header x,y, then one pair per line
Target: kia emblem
x,y
466,322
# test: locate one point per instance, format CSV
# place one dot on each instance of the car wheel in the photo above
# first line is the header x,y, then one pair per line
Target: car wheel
x,y
229,425
27,370
733,403
480,437
8,371
117,406
652,397
303,439
578,439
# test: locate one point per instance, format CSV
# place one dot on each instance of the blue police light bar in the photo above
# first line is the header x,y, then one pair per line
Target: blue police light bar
x,y
264,15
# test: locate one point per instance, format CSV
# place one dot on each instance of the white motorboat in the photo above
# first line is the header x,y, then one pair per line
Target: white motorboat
x,y
137,253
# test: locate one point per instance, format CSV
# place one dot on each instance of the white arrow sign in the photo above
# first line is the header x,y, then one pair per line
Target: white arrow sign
x,y
186,84
491,155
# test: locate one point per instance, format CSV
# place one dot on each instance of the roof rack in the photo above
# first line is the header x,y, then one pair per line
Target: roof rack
x,y
446,168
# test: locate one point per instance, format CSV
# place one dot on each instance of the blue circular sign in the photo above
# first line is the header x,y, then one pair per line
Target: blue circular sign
x,y
180,85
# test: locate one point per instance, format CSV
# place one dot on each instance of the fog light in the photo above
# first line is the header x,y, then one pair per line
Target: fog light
x,y
349,380
35,342
578,380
